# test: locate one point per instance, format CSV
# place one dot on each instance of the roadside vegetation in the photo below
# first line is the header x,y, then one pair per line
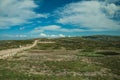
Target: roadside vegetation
x,y
9,44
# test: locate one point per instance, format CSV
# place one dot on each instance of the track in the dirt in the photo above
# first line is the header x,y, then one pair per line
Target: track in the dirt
x,y
11,52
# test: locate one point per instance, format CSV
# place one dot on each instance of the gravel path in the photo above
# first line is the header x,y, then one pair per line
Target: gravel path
x,y
11,52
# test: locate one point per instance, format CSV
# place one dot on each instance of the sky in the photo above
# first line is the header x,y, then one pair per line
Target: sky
x,y
25,19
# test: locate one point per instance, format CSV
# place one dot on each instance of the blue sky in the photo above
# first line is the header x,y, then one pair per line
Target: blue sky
x,y
23,19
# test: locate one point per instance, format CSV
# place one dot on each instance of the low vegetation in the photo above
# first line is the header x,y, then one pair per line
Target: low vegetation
x,y
76,58
86,43
9,44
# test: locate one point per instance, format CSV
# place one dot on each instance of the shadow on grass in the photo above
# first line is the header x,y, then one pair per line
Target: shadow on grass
x,y
108,53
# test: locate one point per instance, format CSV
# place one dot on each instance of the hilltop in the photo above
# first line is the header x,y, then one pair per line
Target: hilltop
x,y
84,42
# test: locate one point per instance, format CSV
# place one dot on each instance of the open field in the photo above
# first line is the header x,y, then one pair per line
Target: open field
x,y
11,52
9,44
65,59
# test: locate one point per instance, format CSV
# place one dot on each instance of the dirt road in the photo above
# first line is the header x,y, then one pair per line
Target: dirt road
x,y
11,52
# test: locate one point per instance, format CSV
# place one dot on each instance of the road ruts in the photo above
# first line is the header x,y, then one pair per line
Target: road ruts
x,y
11,52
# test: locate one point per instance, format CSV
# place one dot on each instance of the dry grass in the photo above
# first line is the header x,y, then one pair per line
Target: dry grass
x,y
56,63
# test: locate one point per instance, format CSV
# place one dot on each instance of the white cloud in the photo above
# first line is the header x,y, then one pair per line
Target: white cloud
x,y
61,35
51,27
56,28
17,12
43,28
43,35
111,9
51,35
55,36
14,36
93,15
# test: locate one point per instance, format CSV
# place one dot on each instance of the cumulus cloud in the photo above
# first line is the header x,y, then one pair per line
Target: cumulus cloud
x,y
56,28
17,12
50,27
61,35
51,35
92,15
43,35
43,28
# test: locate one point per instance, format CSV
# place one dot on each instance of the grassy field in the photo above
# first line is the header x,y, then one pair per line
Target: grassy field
x,y
66,59
9,44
